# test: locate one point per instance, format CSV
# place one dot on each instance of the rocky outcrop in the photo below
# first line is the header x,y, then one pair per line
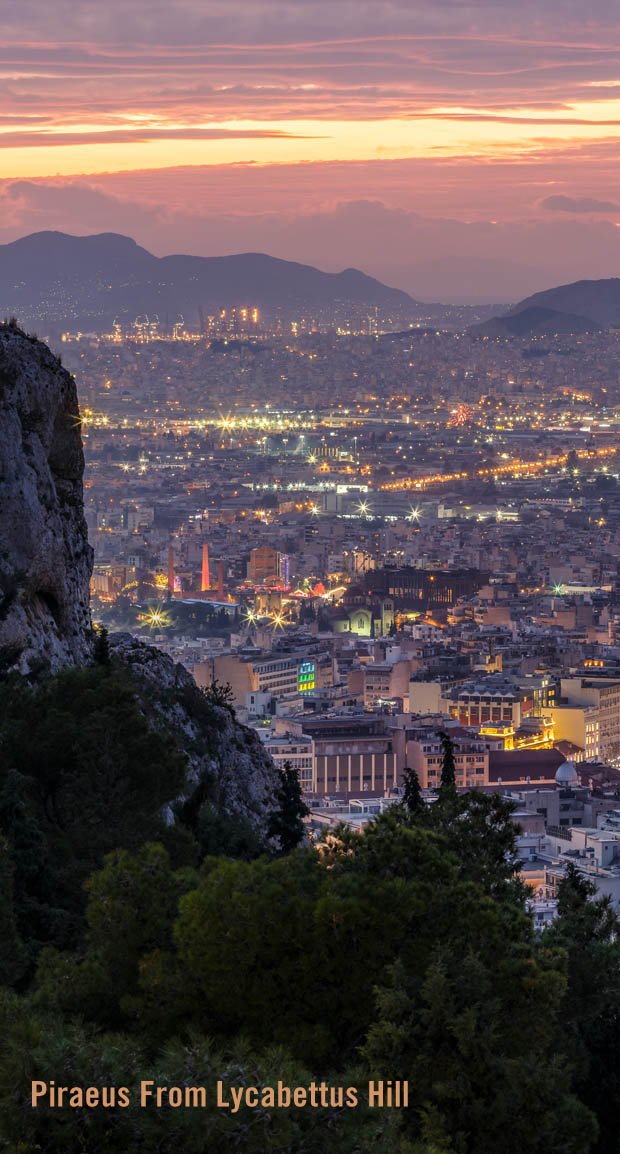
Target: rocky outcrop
x,y
45,558
227,758
45,568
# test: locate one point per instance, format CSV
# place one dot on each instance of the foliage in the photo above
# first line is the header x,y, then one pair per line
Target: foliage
x,y
447,787
132,904
405,951
412,797
483,836
81,773
286,824
587,929
220,695
475,1035
36,1043
101,648
12,950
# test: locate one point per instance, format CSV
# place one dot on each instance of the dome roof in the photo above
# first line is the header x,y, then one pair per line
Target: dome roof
x,y
566,774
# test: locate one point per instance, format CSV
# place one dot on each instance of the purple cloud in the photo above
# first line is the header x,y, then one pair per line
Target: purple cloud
x,y
587,204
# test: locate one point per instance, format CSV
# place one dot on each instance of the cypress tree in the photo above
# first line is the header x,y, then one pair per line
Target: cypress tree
x,y
412,798
101,651
447,789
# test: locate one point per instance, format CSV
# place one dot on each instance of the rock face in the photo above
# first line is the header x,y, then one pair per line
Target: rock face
x,y
45,568
225,758
45,558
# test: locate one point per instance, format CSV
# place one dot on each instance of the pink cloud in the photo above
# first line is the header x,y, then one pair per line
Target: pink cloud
x,y
191,66
432,257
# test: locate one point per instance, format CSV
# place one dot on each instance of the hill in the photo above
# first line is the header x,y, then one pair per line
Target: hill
x,y
597,301
584,306
533,321
52,280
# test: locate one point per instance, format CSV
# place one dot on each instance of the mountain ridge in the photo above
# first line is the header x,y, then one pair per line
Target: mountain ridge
x,y
55,278
580,306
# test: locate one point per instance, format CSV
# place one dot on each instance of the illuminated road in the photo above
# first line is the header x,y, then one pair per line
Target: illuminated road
x,y
515,468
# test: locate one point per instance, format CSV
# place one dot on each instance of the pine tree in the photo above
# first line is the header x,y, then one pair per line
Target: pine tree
x,y
447,789
412,798
587,928
221,694
286,823
101,651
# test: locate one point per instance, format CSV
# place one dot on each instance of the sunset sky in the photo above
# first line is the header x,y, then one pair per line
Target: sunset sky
x,y
461,151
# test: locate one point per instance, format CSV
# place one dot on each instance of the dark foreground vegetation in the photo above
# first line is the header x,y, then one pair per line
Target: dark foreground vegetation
x,y
142,938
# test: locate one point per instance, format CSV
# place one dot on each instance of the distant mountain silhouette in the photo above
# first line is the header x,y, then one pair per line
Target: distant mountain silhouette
x,y
583,306
53,279
534,322
596,300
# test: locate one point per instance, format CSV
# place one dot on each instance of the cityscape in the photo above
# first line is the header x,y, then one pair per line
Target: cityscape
x,y
436,550
309,578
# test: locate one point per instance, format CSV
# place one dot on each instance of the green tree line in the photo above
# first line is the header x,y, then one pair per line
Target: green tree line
x,y
134,946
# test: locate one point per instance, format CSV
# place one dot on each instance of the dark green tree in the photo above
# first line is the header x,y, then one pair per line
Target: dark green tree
x,y
481,1079
34,1043
483,836
221,695
101,648
286,823
228,835
81,772
447,788
132,905
412,797
587,928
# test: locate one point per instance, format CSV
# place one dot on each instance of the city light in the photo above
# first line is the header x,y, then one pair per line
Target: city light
x,y
157,619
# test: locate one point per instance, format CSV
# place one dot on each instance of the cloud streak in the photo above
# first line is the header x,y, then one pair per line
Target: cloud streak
x,y
142,135
471,125
580,204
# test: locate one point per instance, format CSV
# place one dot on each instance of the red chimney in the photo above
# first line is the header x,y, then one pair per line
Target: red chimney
x,y
206,577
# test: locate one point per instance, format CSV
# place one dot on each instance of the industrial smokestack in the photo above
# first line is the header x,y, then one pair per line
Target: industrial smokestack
x,y
206,577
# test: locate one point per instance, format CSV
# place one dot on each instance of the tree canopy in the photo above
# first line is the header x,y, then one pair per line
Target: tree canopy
x,y
147,935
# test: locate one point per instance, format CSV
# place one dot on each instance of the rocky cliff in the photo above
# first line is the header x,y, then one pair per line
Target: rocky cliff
x,y
45,568
45,558
228,766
